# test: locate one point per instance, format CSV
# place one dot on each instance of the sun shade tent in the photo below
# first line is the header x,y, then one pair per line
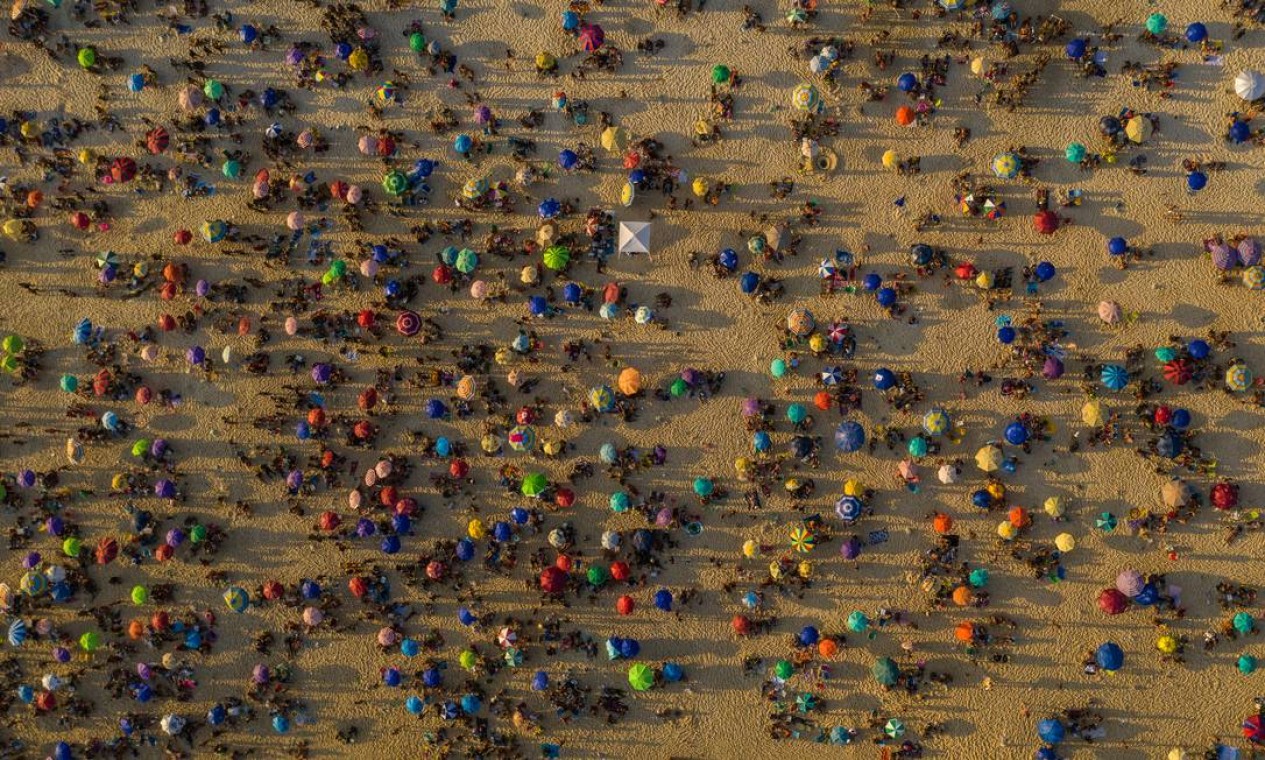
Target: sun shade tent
x,y
634,237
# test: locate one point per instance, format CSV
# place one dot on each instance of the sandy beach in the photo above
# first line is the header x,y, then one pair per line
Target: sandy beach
x,y
230,413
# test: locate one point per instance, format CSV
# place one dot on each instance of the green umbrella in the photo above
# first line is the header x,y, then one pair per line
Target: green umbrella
x,y
213,89
1156,23
395,183
678,388
885,671
232,169
69,383
466,261
534,484
857,621
90,641
141,447
417,42
87,57
557,257
13,344
721,74
640,677
596,575
783,669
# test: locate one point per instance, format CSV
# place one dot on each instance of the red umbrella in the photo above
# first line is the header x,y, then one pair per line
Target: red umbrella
x,y
1045,222
1254,729
1112,602
591,37
441,275
1225,495
741,625
553,580
107,550
1177,372
362,430
564,497
620,570
368,399
965,271
459,468
330,521
157,140
123,169
624,605
408,323
358,587
366,318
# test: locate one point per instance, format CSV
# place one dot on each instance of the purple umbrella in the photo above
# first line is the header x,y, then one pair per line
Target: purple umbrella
x,y
158,448
196,355
591,37
1052,369
144,671
663,518
750,407
294,479
202,288
175,537
1223,257
1249,252
294,56
365,528
321,372
31,561
1130,583
691,376
26,478
165,489
482,115
260,674
851,548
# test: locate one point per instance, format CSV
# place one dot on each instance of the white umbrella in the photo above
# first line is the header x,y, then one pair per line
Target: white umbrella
x,y
1250,85
948,474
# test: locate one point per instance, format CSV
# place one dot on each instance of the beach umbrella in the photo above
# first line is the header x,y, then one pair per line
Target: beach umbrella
x,y
1196,181
1138,129
1006,165
1254,277
1109,312
1075,152
1250,85
1109,656
885,672
894,728
1238,378
1092,413
1239,132
988,458
848,508
408,323
236,599
805,97
522,438
802,540
1249,252
474,188
1224,257
1254,728
831,376
1045,222
395,183
1176,493
1178,371
17,633
1112,602
1106,522
1114,377
466,262
1050,730
721,74
591,37
157,140
602,398
1156,23
534,484
1130,582
935,422
849,436
615,139
557,257
549,208
800,322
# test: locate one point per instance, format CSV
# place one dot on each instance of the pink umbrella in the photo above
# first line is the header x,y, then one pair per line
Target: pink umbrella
x,y
295,220
305,139
371,477
479,289
908,470
260,189
354,499
369,268
368,145
383,468
387,637
591,37
1129,582
313,616
1109,312
354,195
190,98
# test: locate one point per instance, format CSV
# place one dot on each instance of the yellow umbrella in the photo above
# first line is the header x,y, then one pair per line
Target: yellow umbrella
x,y
700,186
1054,506
627,194
1092,413
988,458
466,388
890,159
1138,129
1065,542
615,139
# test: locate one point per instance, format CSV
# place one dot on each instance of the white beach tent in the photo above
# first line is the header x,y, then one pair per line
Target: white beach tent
x,y
634,237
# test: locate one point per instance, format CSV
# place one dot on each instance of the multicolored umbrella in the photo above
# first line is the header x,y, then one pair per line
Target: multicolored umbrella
x,y
522,438
474,188
1006,165
803,540
936,422
591,37
1238,378
805,97
800,322
602,398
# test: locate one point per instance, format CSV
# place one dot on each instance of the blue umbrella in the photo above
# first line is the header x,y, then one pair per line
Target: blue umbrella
x,y
728,259
749,282
540,681
832,376
1110,656
17,632
1117,246
849,436
1196,33
1050,730
884,378
1075,49
1016,433
567,159
1114,377
1196,181
549,208
1170,445
663,600
907,82
462,144
1239,132
848,508
571,293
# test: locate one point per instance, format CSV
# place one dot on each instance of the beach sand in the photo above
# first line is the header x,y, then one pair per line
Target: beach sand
x,y
990,709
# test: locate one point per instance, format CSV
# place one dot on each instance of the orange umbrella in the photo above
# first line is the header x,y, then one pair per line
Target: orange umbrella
x,y
942,523
964,632
905,116
822,400
1018,517
827,648
961,596
629,381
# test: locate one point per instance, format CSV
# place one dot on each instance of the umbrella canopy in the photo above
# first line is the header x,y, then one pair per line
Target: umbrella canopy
x,y
805,97
1114,377
1138,129
1176,493
557,257
640,677
1238,378
615,139
800,322
1250,85
885,672
1109,312
1112,602
522,438
935,422
591,37
988,458
1006,165
1045,222
395,183
848,508
629,381
849,436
